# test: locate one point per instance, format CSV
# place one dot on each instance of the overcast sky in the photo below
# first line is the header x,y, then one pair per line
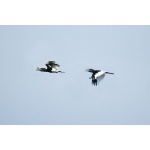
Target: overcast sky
x,y
31,97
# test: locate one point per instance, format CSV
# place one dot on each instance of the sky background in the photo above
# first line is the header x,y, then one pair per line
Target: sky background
x,y
31,97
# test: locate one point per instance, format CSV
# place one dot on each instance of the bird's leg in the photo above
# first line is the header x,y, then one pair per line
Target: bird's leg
x,y
61,71
109,73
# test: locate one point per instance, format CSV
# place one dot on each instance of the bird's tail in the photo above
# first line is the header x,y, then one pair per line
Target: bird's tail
x,y
109,73
61,71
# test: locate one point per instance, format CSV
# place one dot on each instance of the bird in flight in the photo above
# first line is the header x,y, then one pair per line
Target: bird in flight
x,y
52,67
97,75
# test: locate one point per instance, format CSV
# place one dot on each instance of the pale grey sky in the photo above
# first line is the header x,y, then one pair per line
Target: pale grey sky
x,y
30,97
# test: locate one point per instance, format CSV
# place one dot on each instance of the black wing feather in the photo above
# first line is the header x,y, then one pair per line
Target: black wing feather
x,y
94,82
52,63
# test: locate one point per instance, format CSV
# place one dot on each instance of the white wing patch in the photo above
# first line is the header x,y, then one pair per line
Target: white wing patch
x,y
99,79
55,69
99,74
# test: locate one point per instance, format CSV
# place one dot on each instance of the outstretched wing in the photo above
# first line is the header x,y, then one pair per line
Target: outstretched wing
x,y
100,78
97,80
52,65
90,70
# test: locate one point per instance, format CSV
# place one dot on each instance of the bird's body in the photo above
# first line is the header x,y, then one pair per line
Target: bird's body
x,y
52,67
97,75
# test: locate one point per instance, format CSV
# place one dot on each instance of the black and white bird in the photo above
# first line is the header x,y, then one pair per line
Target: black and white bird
x,y
97,75
52,67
